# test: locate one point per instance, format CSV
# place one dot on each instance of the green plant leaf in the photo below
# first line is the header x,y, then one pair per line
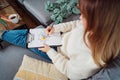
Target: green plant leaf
x,y
75,10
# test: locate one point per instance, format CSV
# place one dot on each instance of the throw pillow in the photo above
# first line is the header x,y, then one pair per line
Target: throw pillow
x,y
33,69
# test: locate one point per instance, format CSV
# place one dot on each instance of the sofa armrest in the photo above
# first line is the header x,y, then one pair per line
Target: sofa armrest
x,y
37,9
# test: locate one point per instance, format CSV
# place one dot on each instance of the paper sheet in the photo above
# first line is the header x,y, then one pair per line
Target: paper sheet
x,y
39,37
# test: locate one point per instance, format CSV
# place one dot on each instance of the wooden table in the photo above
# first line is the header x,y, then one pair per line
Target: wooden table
x,y
5,12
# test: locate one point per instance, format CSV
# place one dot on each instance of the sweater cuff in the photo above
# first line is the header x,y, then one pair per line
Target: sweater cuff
x,y
51,53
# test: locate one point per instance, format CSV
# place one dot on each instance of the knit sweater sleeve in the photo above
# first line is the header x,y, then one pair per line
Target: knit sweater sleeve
x,y
76,68
58,60
64,27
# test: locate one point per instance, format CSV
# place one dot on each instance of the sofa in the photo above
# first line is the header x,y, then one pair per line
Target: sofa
x,y
37,9
11,56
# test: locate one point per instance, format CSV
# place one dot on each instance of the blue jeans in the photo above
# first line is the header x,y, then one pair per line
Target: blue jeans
x,y
19,38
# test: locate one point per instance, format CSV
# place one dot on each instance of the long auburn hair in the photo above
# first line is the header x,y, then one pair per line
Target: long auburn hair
x,y
103,21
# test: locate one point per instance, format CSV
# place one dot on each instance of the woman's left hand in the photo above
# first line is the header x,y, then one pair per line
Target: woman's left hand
x,y
46,48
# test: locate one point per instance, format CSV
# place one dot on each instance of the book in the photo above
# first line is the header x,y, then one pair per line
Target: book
x,y
38,37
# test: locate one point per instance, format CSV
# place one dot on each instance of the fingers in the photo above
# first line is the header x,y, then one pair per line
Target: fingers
x,y
49,30
41,49
45,49
44,46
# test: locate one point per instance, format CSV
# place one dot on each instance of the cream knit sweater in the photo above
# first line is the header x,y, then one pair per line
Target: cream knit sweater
x,y
74,58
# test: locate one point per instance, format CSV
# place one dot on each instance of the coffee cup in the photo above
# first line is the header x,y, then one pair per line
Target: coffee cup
x,y
14,18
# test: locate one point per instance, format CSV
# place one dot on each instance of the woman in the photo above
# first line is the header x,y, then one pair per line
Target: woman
x,y
88,44
101,21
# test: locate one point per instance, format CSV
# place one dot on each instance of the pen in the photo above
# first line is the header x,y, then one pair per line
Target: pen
x,y
51,27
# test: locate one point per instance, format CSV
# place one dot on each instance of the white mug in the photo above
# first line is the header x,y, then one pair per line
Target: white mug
x,y
14,18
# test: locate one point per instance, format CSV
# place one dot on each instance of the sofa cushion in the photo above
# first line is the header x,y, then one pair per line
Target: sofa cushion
x,y
111,72
37,8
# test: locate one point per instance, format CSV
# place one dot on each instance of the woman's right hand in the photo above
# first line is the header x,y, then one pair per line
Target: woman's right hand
x,y
50,30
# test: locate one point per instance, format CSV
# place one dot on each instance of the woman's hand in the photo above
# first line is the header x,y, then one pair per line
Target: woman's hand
x,y
50,30
45,49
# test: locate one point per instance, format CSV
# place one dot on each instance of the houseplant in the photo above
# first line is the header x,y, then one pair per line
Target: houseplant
x,y
62,9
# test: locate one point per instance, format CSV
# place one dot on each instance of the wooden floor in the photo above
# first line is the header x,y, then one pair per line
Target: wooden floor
x,y
28,19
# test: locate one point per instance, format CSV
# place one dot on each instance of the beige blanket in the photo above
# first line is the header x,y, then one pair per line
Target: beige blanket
x,y
33,69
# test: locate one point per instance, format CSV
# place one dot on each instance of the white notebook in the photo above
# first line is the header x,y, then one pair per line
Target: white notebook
x,y
38,37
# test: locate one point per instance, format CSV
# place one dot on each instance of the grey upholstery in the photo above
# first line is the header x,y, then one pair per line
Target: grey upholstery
x,y
37,8
10,60
111,72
